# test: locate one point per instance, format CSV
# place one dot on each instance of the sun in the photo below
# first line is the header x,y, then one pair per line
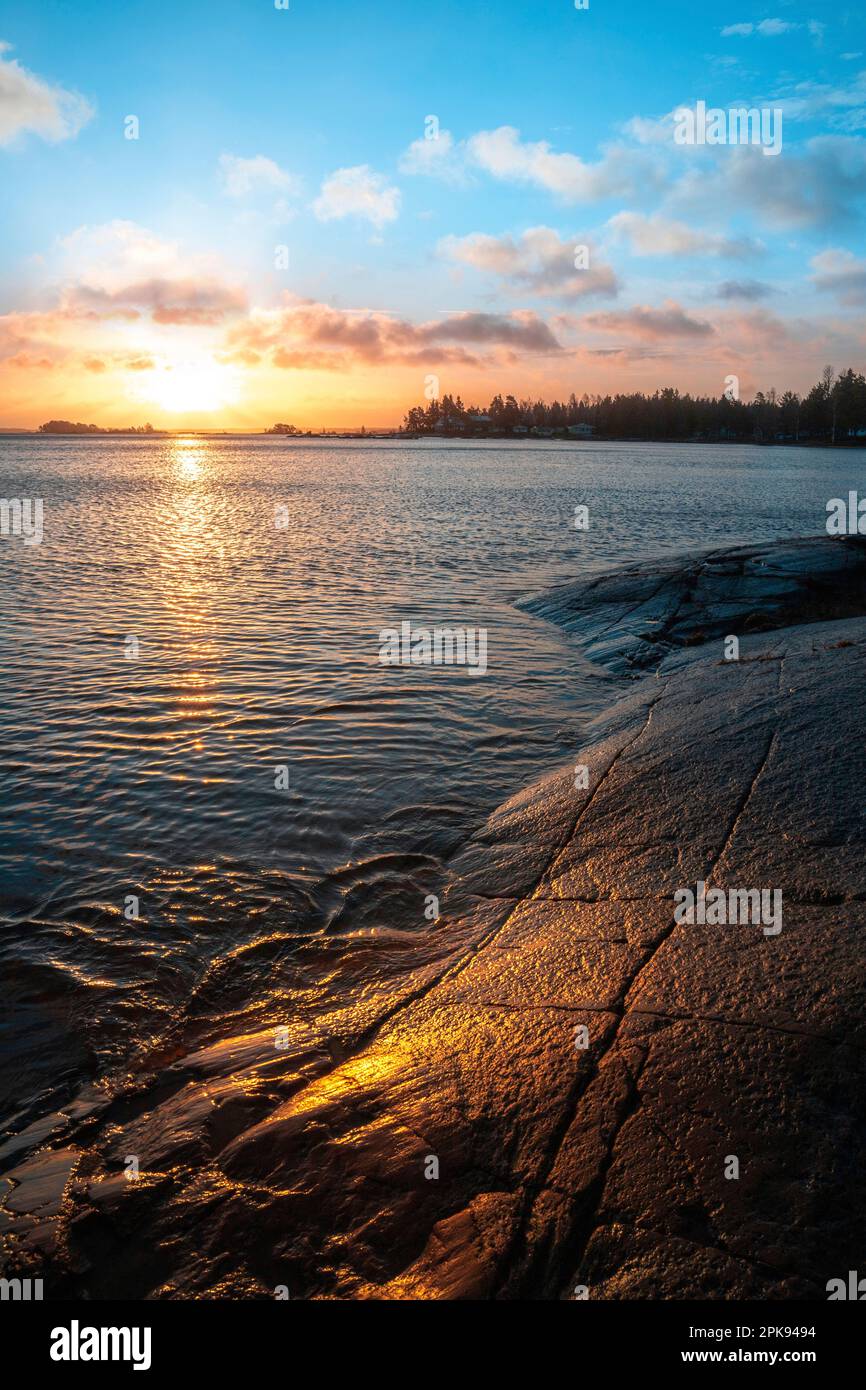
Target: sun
x,y
199,384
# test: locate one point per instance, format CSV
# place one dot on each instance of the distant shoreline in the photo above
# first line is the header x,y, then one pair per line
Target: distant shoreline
x,y
402,437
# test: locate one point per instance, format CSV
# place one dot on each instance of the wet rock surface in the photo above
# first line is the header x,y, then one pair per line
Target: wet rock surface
x,y
544,1091
629,620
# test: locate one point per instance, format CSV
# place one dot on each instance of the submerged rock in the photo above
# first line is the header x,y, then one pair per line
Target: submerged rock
x,y
560,1087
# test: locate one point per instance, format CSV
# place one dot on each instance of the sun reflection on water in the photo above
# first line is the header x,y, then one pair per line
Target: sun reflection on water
x,y
192,546
189,457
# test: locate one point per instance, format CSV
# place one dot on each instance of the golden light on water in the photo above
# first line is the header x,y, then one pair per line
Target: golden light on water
x,y
189,457
192,543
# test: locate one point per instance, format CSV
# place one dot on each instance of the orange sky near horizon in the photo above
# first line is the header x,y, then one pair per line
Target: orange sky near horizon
x,y
207,393
288,256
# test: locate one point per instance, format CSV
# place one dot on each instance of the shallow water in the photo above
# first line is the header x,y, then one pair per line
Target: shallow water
x,y
258,648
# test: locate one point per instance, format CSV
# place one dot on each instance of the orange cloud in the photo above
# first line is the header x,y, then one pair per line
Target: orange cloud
x,y
184,301
645,321
315,336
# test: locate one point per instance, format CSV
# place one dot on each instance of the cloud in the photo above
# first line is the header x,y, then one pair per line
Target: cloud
x,y
242,178
63,337
840,273
122,270
188,302
662,236
743,289
758,328
538,260
24,361
29,339
645,322
440,158
843,106
770,28
650,130
29,104
358,192
314,336
521,329
110,254
621,173
818,186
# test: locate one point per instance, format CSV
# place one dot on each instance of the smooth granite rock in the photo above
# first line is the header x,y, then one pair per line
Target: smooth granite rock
x,y
628,621
544,1093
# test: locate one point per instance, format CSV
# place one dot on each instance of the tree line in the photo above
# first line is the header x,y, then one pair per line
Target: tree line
x,y
68,427
834,411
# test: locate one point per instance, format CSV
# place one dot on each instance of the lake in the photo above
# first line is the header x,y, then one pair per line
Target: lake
x,y
200,744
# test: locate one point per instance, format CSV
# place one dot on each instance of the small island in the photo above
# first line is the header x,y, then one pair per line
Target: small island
x,y
67,427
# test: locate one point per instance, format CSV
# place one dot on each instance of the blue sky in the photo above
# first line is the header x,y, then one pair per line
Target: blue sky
x,y
305,128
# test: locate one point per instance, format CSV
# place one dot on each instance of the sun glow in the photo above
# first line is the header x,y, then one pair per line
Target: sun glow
x,y
199,384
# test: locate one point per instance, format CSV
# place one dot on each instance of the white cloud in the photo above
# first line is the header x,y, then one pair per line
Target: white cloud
x,y
113,253
620,173
440,158
650,130
772,28
538,260
110,254
662,236
244,177
27,103
844,106
121,268
358,192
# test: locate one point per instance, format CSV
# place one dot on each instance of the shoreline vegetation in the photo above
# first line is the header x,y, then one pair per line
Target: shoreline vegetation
x,y
832,413
67,427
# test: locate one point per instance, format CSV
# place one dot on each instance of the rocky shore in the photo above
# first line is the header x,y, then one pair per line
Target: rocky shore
x,y
557,1089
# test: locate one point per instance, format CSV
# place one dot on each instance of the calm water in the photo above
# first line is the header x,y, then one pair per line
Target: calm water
x,y
258,647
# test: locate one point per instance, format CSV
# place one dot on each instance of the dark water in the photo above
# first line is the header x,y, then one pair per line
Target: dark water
x,y
154,775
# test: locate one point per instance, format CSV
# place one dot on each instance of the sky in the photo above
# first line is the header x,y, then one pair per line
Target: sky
x,y
225,214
